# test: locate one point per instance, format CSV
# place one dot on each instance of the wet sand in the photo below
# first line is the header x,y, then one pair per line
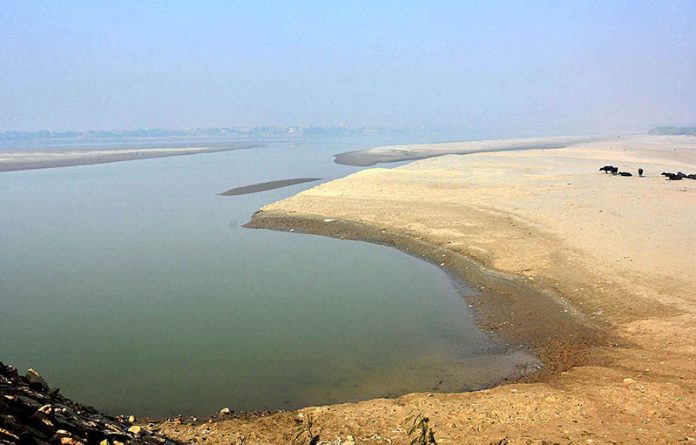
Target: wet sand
x,y
594,271
399,153
23,160
263,186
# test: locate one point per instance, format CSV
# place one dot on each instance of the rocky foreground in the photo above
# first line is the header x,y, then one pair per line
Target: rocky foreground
x,y
33,413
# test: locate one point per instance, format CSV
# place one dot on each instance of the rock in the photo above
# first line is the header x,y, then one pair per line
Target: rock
x,y
225,412
30,414
46,409
43,421
135,429
7,435
35,380
628,381
131,419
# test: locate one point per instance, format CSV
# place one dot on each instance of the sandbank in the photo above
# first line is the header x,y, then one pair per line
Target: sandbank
x,y
29,160
263,186
399,153
603,266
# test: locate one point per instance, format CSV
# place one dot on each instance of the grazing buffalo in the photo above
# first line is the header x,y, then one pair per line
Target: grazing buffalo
x,y
640,172
607,168
625,174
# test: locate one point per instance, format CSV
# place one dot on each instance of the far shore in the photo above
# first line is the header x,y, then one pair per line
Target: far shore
x,y
593,271
30,160
414,152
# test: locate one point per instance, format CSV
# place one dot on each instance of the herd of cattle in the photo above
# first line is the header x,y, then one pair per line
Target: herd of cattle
x,y
671,176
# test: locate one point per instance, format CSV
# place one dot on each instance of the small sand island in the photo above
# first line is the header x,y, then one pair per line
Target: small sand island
x,y
263,186
30,160
595,272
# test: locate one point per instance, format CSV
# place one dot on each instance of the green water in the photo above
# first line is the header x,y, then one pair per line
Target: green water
x,y
133,288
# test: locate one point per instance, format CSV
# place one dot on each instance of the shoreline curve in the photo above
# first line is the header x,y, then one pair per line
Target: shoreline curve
x,y
549,326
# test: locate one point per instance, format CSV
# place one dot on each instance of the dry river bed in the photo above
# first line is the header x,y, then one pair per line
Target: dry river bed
x,y
596,273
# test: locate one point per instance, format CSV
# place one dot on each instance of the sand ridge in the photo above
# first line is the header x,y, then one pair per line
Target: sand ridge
x,y
30,160
397,153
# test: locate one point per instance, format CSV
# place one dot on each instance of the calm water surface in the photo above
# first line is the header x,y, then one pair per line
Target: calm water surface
x,y
133,287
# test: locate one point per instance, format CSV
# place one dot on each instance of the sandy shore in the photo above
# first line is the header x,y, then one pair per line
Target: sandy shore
x,y
596,272
398,153
29,160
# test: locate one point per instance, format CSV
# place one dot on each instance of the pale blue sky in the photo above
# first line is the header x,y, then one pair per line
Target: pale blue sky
x,y
509,67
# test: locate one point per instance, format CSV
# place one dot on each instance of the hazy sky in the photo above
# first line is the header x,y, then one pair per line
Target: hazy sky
x,y
513,67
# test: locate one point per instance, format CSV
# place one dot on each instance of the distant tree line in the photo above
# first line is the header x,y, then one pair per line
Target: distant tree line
x,y
166,132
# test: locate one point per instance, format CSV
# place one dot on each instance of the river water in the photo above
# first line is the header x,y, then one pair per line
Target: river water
x,y
133,288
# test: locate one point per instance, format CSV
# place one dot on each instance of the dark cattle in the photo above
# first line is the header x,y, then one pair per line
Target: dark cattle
x,y
625,174
673,177
615,170
606,168
640,172
691,176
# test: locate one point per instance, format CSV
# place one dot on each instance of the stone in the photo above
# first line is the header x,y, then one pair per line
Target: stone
x,y
131,419
36,380
45,422
225,412
5,434
628,381
31,414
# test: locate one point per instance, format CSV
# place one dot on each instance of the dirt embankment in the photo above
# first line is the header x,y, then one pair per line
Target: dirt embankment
x,y
596,272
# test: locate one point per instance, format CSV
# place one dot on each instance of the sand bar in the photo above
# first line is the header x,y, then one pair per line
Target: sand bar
x,y
25,160
616,254
263,186
398,153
